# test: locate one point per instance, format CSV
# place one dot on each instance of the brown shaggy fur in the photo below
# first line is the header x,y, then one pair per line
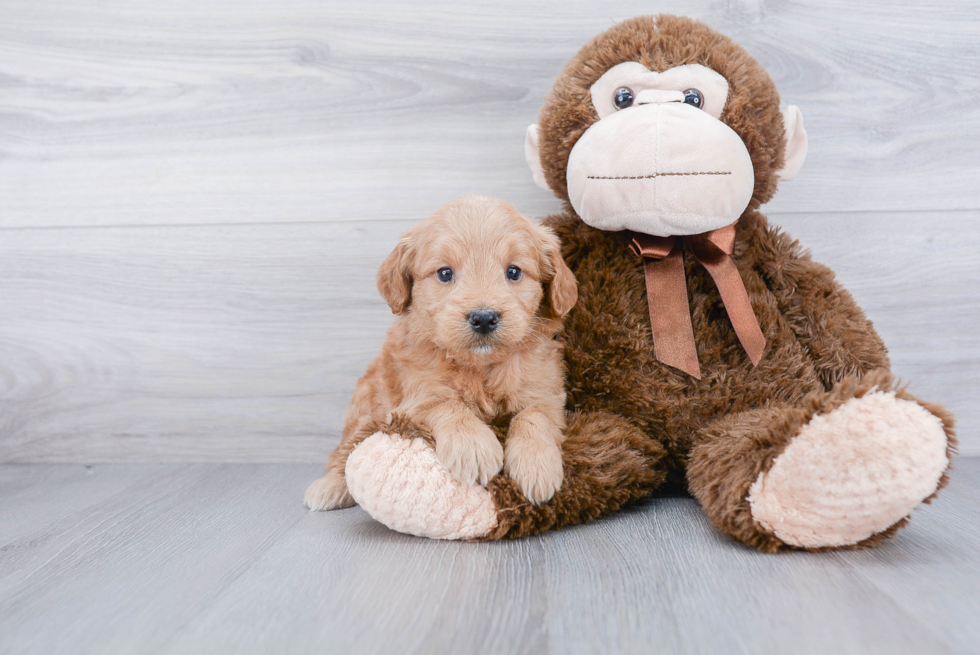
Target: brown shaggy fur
x,y
642,426
637,426
659,43
449,380
601,476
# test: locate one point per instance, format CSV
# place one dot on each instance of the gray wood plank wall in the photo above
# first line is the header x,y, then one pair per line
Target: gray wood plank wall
x,y
194,196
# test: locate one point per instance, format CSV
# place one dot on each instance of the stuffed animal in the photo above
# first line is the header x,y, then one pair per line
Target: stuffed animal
x,y
707,351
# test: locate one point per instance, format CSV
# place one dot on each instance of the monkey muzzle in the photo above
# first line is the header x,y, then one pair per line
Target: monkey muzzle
x,y
662,167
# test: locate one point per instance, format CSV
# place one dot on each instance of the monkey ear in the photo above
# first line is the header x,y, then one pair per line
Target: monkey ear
x,y
394,278
561,288
796,143
533,156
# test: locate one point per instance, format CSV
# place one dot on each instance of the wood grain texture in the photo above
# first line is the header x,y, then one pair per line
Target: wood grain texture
x,y
34,497
662,570
367,589
122,113
243,343
124,575
935,576
223,558
220,343
194,197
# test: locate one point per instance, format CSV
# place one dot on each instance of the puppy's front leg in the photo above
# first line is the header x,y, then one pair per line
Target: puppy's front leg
x,y
532,457
465,444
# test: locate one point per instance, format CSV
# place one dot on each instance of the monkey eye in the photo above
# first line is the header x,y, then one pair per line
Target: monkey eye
x,y
445,274
623,97
514,274
694,98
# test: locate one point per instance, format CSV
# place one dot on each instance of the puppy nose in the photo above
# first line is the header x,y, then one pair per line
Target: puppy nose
x,y
484,321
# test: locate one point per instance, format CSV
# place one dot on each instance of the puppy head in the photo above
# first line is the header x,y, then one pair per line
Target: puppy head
x,y
476,278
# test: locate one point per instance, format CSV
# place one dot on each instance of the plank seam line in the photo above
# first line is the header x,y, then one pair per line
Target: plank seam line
x,y
936,213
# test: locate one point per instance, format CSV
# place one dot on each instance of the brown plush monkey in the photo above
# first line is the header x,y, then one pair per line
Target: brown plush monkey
x,y
707,352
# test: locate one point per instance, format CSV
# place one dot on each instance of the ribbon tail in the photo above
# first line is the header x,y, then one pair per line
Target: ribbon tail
x,y
729,282
670,315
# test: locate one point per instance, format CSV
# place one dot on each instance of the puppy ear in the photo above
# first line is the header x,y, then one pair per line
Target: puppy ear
x,y
395,279
561,288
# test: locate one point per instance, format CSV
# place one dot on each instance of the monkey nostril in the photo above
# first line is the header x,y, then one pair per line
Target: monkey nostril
x,y
483,321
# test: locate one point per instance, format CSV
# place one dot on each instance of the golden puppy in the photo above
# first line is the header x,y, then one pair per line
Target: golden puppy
x,y
480,292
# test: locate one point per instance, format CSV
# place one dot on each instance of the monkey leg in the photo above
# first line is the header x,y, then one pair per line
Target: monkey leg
x,y
844,469
608,463
396,477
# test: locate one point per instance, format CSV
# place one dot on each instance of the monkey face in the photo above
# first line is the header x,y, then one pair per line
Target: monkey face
x,y
659,160
663,126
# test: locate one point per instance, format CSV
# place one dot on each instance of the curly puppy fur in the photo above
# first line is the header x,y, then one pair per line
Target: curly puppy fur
x,y
670,431
439,372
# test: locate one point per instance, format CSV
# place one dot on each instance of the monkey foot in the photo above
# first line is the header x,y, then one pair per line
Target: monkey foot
x,y
851,473
402,484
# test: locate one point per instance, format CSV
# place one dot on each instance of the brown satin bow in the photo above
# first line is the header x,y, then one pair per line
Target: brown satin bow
x,y
670,316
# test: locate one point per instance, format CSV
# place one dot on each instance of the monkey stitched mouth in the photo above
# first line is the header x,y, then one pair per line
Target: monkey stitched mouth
x,y
647,177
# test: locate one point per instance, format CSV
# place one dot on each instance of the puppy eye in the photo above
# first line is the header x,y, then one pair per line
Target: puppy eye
x,y
623,97
694,98
445,274
514,273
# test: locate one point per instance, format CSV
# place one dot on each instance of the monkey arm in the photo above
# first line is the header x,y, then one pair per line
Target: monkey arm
x,y
823,315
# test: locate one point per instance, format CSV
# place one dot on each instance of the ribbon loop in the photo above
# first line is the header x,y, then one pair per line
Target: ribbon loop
x,y
670,314
651,247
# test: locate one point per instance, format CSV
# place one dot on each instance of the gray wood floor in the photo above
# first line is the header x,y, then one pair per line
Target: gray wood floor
x,y
223,558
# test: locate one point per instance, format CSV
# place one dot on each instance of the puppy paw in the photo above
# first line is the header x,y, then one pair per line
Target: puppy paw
x,y
328,492
471,458
535,465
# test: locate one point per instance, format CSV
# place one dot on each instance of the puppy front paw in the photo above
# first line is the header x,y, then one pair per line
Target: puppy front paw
x,y
471,458
535,465
328,492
